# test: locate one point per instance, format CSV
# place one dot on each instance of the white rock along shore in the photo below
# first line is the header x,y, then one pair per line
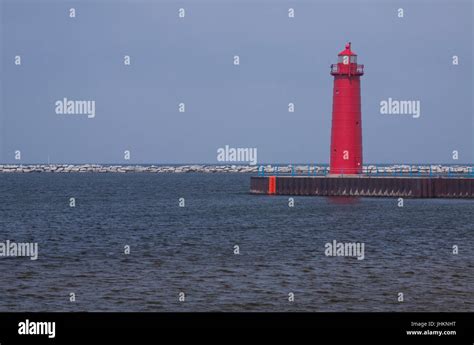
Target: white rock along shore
x,y
269,169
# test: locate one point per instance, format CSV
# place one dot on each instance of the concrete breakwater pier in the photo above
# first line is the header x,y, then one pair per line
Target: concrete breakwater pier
x,y
365,186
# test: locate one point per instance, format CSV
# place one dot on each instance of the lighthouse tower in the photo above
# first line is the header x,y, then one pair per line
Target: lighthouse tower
x,y
346,131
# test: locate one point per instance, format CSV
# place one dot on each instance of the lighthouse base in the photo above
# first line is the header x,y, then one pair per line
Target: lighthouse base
x,y
364,186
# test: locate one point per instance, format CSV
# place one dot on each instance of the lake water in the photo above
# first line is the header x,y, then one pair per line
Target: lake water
x,y
190,249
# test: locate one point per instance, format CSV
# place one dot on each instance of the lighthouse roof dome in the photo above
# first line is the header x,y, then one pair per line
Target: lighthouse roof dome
x,y
347,51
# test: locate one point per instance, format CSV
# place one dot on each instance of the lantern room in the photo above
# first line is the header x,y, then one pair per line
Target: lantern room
x,y
347,63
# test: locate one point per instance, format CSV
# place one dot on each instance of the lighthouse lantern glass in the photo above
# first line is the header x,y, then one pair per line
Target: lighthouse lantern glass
x,y
345,59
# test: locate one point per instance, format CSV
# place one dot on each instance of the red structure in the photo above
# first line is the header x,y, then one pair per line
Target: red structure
x,y
346,131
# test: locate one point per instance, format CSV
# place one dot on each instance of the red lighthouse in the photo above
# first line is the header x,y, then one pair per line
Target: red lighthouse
x,y
346,131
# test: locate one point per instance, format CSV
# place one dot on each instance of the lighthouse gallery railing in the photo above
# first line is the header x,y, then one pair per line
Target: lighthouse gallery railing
x,y
359,69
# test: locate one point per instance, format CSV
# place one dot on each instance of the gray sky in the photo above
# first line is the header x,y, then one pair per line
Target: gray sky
x,y
190,60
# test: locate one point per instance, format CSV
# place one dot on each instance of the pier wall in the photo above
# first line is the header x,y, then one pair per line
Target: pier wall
x,y
411,187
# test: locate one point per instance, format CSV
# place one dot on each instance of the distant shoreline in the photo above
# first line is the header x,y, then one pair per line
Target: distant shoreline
x,y
210,168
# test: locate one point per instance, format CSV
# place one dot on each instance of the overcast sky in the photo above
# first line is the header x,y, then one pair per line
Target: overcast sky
x,y
190,60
